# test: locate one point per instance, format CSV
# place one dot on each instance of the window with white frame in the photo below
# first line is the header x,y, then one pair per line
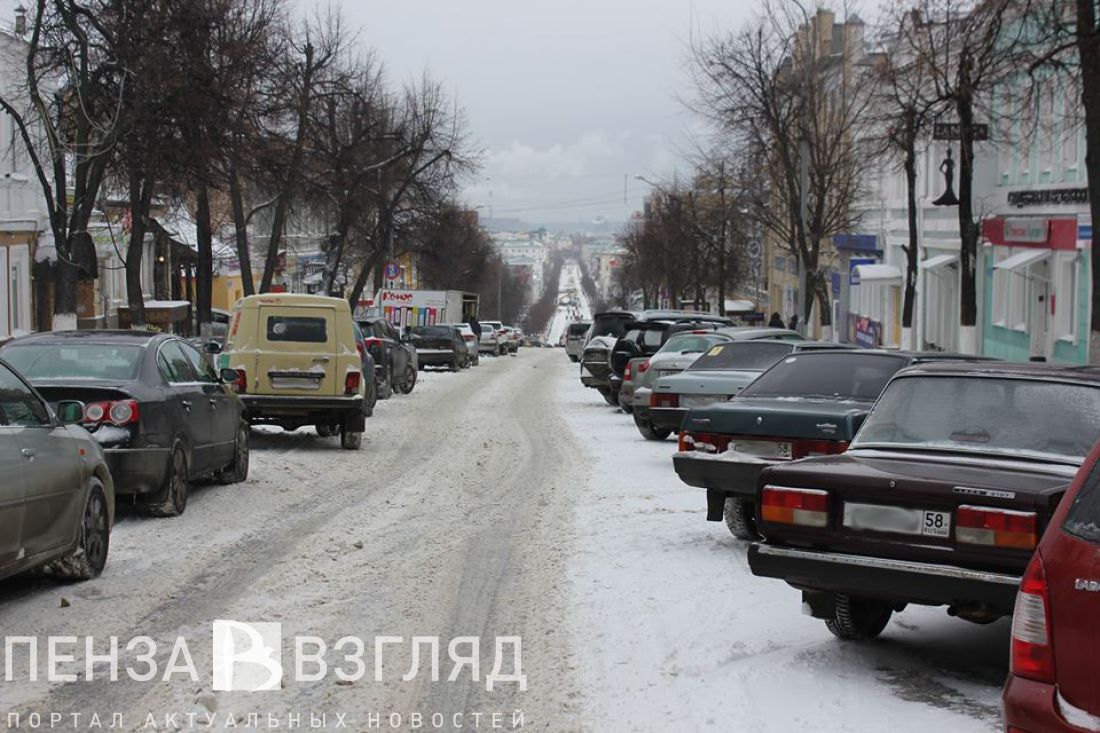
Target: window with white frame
x,y
1046,127
1023,146
1070,133
1000,288
1065,296
1011,294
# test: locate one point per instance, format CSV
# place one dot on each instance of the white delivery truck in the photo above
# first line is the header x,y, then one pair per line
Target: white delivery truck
x,y
405,308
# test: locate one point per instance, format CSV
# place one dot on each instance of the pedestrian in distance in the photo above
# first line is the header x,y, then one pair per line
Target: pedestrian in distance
x,y
775,321
794,322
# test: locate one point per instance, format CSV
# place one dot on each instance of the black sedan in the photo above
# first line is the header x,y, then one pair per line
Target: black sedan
x,y
439,346
394,359
159,410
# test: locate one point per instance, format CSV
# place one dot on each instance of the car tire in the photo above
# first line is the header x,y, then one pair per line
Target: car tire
x,y
173,500
740,518
574,358
627,408
649,431
351,441
324,430
87,559
610,397
385,388
454,366
856,618
237,471
409,381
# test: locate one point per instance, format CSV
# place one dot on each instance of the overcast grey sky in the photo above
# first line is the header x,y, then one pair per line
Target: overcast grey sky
x,y
564,97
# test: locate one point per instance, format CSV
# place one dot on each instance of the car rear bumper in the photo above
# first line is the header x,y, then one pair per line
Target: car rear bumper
x,y
667,417
733,478
434,357
1032,707
137,470
589,381
884,578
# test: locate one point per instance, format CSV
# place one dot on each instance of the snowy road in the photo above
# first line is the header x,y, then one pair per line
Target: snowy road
x,y
505,500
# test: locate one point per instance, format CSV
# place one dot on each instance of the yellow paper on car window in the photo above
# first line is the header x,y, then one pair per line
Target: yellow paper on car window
x,y
714,351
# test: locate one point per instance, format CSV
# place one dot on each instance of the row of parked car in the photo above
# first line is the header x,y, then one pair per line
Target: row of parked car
x,y
88,418
872,479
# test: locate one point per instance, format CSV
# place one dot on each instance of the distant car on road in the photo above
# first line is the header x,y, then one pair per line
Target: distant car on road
x,y
162,415
500,338
1052,684
574,339
473,348
439,346
940,500
57,501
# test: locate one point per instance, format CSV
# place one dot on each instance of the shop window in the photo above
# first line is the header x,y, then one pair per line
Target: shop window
x,y
1010,294
1065,298
1000,288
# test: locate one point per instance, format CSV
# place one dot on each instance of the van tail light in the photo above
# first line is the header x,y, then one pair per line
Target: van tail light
x,y
807,448
242,381
626,373
1032,653
664,399
703,442
803,507
120,413
643,367
352,381
975,525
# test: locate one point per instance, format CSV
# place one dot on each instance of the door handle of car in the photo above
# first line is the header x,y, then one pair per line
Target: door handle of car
x,y
186,404
322,359
28,453
213,403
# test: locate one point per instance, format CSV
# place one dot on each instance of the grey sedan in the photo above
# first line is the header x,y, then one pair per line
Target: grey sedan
x,y
57,501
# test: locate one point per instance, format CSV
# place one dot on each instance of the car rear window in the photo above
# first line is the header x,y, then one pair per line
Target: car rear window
x,y
690,343
112,362
611,325
1004,416
1083,519
747,355
852,376
301,329
578,329
432,331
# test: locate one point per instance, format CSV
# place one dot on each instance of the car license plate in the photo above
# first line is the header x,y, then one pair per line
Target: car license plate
x,y
881,518
763,448
688,401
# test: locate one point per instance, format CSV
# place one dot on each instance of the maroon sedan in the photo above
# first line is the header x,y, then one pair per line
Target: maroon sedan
x,y
1054,684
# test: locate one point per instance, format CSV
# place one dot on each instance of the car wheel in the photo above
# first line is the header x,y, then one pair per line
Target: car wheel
x,y
174,490
740,517
454,365
858,618
324,430
409,381
610,398
574,358
626,407
351,441
649,431
86,561
385,389
237,471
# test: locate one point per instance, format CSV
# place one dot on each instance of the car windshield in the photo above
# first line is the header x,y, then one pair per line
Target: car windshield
x,y
753,356
838,376
986,415
613,324
111,362
433,332
690,343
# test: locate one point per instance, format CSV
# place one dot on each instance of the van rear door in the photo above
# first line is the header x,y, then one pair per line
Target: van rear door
x,y
297,351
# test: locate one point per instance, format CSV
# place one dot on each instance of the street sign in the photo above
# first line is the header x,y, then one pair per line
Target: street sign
x,y
950,131
392,271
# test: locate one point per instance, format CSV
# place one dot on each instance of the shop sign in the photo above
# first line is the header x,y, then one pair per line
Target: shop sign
x,y
1032,231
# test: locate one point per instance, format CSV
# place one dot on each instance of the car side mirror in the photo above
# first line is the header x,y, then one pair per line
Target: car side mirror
x,y
212,347
70,412
228,376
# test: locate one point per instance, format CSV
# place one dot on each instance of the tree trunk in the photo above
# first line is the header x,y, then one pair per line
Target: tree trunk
x,y
67,276
968,231
1088,48
361,281
140,194
911,252
204,275
240,228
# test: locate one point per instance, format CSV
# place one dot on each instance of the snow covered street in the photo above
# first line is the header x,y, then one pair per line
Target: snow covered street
x,y
506,500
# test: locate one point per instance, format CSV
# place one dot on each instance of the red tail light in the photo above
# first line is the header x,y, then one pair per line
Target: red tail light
x,y
807,448
362,349
352,381
703,442
1032,654
120,413
643,367
242,381
664,399
804,507
977,525
626,373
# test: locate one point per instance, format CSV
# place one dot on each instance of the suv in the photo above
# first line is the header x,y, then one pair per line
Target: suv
x,y
574,339
394,359
606,329
297,364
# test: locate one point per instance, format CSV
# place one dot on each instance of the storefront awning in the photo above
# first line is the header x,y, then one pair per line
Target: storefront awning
x,y
877,274
935,263
1022,260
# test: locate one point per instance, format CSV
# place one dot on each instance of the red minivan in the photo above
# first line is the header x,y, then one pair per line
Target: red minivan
x,y
1054,684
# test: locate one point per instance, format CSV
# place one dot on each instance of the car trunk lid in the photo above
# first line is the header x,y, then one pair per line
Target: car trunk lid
x,y
297,355
806,419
